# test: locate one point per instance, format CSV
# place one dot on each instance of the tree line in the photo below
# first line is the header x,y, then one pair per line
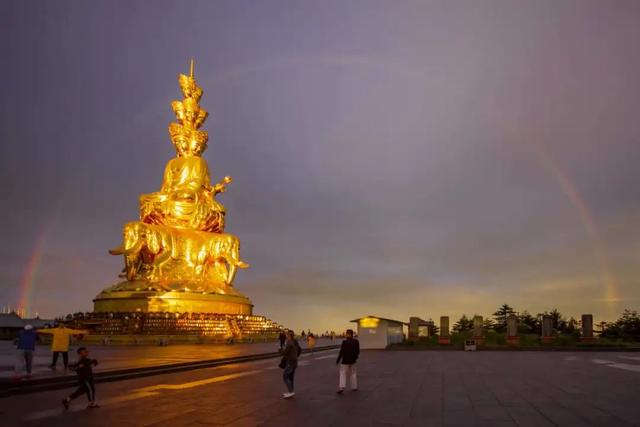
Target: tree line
x,y
627,327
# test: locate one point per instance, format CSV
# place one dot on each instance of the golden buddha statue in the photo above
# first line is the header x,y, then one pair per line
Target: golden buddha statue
x,y
187,199
179,244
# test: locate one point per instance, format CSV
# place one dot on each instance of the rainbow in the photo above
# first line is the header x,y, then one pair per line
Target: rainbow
x,y
568,187
27,284
612,294
30,274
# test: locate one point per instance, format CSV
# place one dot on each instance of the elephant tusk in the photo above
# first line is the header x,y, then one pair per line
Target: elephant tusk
x,y
232,274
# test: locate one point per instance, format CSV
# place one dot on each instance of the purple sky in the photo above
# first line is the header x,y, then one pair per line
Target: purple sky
x,y
389,158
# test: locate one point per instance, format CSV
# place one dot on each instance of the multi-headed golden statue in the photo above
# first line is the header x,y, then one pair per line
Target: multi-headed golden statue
x,y
177,257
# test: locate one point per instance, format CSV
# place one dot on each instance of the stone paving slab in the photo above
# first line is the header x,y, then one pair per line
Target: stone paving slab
x,y
396,389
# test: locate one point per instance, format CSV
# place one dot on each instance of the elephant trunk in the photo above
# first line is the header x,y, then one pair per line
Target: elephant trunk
x,y
131,265
117,251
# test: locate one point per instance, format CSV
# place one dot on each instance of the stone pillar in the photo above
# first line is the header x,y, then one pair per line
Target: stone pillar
x,y
413,328
512,329
587,328
445,338
547,329
477,329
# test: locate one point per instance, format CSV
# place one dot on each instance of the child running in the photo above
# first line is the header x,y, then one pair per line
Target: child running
x,y
83,368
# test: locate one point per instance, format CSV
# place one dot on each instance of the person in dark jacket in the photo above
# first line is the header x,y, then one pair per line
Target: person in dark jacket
x,y
290,355
282,338
26,346
84,369
349,352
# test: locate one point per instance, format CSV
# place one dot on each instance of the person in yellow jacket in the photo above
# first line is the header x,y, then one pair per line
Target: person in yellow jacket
x,y
60,342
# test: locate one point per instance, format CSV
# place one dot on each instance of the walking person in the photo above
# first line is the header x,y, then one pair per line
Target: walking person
x,y
84,369
349,352
289,362
60,343
282,338
26,346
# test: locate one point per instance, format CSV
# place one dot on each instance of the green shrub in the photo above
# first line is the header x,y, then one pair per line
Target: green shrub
x,y
529,340
564,340
460,338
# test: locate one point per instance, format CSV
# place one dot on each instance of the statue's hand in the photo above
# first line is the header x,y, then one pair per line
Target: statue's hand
x,y
221,187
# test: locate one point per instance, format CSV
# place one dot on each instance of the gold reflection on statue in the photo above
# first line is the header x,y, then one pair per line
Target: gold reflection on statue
x,y
179,244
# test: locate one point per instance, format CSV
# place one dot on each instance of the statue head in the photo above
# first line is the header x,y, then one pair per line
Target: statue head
x,y
197,142
189,87
187,141
189,113
191,110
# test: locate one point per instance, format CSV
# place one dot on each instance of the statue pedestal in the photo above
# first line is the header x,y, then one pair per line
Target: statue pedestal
x,y
143,299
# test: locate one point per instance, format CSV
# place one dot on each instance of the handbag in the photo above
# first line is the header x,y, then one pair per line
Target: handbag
x,y
283,363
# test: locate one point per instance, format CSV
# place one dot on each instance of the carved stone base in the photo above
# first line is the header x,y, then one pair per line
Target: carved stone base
x,y
144,299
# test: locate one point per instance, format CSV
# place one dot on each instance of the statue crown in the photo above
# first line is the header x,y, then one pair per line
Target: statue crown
x,y
185,135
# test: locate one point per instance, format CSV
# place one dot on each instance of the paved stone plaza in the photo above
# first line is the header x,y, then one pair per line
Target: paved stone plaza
x,y
413,388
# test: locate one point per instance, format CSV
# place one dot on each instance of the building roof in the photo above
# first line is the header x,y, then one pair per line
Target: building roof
x,y
11,320
39,323
379,318
421,321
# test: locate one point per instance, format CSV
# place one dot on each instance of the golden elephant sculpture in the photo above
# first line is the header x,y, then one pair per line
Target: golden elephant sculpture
x,y
173,253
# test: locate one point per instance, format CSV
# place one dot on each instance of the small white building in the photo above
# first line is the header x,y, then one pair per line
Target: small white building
x,y
378,332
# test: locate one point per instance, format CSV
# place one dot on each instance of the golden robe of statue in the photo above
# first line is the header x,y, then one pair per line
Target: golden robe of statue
x,y
179,242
